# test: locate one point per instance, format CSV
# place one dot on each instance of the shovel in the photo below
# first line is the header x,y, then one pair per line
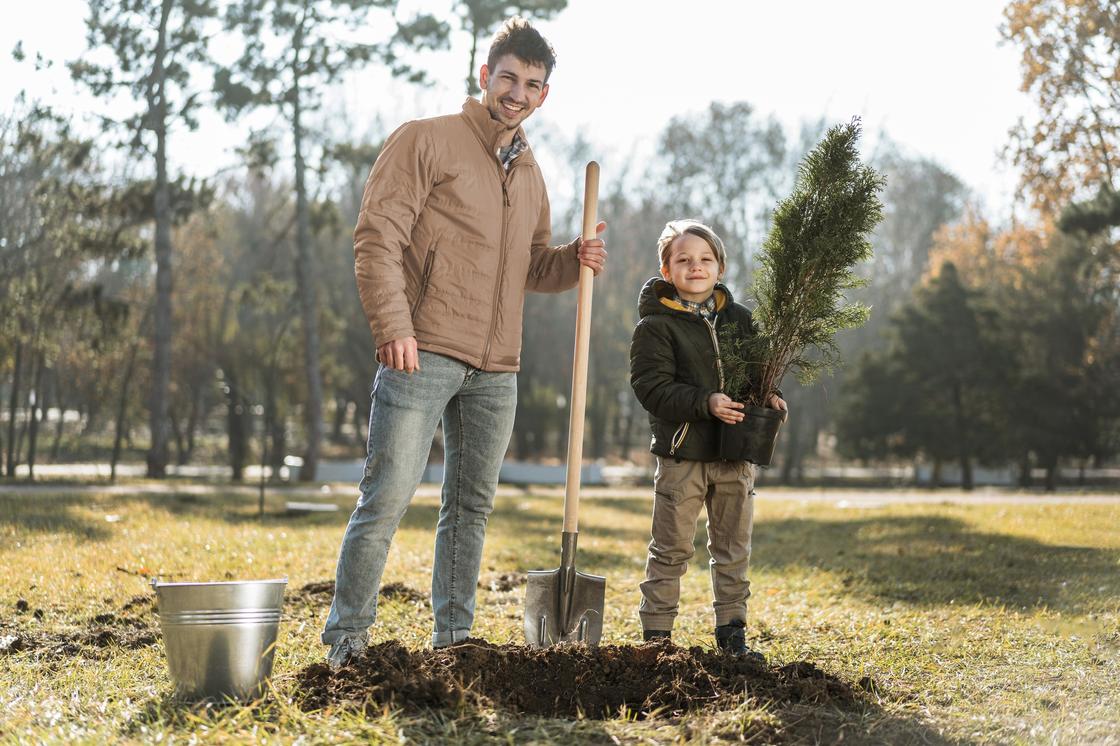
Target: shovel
x,y
564,605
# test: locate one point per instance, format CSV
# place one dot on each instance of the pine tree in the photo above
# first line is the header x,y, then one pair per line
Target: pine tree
x,y
818,236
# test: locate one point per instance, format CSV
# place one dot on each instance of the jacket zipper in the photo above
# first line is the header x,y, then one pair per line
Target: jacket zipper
x,y
425,278
504,176
682,431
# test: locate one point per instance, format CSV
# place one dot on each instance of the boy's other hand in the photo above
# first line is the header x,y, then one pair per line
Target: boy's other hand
x,y
777,402
725,409
592,252
400,354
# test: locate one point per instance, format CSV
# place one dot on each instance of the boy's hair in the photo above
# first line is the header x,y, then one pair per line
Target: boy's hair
x,y
674,229
519,38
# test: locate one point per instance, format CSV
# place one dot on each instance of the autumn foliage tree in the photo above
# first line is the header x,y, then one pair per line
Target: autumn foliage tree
x,y
1071,69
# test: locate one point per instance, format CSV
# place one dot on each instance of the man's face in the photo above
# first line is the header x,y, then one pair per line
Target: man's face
x,y
693,267
512,90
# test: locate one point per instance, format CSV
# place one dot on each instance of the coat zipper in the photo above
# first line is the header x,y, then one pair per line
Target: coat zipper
x,y
504,176
682,431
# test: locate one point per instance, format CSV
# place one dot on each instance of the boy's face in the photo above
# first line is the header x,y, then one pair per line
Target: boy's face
x,y
512,90
693,268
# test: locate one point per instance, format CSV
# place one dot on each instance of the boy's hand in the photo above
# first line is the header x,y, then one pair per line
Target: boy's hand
x,y
725,409
592,253
400,354
777,402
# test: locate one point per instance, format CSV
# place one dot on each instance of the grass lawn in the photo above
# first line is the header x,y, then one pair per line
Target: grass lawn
x,y
976,623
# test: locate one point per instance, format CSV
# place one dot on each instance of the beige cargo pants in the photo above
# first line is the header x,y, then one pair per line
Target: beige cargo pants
x,y
726,489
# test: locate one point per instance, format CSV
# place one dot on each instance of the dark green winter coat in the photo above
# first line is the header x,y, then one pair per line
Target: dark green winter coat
x,y
674,368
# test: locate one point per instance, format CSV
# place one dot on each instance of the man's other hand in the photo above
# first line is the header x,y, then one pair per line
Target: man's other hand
x,y
400,354
592,252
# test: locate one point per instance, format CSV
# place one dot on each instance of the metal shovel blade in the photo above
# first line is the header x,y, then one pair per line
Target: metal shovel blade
x,y
564,605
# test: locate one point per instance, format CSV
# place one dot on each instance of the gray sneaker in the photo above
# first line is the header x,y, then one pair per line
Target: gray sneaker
x,y
343,651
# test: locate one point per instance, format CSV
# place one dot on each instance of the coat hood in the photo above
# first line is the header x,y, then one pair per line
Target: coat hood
x,y
659,296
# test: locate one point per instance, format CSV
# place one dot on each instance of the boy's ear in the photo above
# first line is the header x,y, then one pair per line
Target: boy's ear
x,y
665,271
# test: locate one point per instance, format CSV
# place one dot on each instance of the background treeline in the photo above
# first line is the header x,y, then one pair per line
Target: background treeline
x,y
147,314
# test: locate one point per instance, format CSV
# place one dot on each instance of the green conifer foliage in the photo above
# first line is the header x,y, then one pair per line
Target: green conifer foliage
x,y
818,235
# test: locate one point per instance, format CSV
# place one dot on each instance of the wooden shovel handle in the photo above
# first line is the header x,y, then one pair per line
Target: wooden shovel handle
x,y
579,367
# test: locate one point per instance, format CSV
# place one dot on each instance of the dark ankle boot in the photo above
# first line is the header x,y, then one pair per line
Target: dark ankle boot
x,y
656,634
732,638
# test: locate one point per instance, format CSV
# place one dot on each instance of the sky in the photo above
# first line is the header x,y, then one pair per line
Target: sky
x,y
932,76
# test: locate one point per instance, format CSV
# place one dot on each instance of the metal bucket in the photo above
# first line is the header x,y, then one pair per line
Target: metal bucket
x,y
220,637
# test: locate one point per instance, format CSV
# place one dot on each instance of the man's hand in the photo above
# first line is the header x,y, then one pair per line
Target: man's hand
x,y
725,409
592,253
400,354
777,402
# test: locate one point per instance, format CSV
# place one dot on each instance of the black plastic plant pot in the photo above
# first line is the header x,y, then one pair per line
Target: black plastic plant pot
x,y
754,438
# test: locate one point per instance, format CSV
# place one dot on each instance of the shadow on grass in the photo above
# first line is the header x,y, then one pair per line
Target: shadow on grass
x,y
932,559
46,514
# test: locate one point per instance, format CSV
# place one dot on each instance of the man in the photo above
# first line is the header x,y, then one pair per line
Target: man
x,y
454,228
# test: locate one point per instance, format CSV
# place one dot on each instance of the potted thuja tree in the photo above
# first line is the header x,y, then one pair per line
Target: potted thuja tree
x,y
817,237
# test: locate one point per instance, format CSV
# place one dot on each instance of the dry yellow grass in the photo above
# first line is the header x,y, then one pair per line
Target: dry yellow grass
x,y
977,623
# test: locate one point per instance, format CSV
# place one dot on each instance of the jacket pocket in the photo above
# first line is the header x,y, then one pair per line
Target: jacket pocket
x,y
425,278
677,440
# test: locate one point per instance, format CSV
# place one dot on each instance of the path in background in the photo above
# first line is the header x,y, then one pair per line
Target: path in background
x,y
841,497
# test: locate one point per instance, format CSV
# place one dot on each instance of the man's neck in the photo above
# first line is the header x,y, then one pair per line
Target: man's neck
x,y
506,138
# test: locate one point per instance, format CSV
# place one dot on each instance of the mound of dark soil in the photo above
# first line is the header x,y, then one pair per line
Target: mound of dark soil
x,y
321,592
133,627
655,679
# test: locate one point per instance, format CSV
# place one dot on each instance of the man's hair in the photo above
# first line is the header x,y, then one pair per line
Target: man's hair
x,y
674,229
519,38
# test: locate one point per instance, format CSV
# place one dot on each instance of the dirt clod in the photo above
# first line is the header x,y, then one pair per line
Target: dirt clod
x,y
402,592
504,582
145,599
11,644
656,679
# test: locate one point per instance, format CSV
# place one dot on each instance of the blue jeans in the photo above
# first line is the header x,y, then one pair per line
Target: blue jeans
x,y
477,410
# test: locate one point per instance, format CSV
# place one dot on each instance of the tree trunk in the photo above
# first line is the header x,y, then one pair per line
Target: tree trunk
x,y
236,428
161,335
13,405
601,411
792,434
361,422
192,424
306,286
966,472
1025,470
36,413
964,443
1052,474
340,405
177,434
935,474
122,408
56,446
279,437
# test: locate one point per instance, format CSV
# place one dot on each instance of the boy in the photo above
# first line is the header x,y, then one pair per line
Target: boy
x,y
677,376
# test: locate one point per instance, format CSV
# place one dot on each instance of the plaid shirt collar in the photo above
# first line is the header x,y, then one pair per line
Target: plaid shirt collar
x,y
706,309
509,154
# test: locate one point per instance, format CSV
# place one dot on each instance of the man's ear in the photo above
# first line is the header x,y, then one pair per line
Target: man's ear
x,y
483,76
544,94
